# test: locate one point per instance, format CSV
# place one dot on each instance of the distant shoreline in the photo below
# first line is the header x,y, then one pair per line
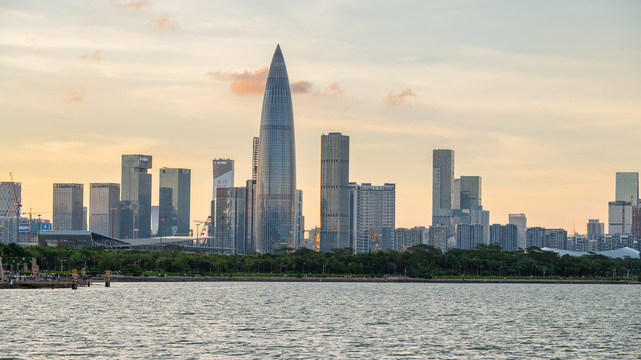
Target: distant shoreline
x,y
390,279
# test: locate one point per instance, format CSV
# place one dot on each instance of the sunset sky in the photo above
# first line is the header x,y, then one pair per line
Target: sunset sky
x,y
542,99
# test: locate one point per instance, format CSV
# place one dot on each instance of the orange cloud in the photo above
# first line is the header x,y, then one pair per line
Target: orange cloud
x,y
75,94
400,98
335,89
301,87
162,22
94,56
134,4
246,83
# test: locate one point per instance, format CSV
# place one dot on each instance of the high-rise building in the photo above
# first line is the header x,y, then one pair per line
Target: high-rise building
x,y
470,192
174,201
443,188
250,216
469,236
636,221
84,218
619,217
103,208
504,235
406,238
276,176
230,220
255,143
334,202
299,218
437,237
596,230
223,170
374,216
627,187
10,197
67,206
481,217
556,239
520,220
135,197
456,194
535,237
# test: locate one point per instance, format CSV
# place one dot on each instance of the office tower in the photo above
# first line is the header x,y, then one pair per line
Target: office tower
x,y
504,235
67,206
406,238
636,221
596,230
255,143
556,239
230,220
374,214
300,219
155,219
103,208
470,192
250,216
481,217
469,236
443,188
174,201
84,218
10,197
626,197
334,202
627,187
223,170
135,197
276,176
437,237
521,224
535,237
456,194
619,217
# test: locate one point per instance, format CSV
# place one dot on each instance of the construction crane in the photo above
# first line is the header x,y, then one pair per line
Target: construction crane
x,y
30,213
18,204
201,232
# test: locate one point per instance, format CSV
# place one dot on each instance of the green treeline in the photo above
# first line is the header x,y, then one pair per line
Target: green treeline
x,y
420,261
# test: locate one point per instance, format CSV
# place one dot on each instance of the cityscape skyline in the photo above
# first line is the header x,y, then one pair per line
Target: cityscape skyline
x,y
552,122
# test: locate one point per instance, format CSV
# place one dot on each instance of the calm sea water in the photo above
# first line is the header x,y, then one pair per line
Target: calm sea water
x,y
322,321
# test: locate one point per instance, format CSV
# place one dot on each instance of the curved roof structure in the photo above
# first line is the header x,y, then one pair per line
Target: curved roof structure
x,y
618,253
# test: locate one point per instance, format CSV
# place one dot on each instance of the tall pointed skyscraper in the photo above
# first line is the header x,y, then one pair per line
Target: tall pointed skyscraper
x,y
276,178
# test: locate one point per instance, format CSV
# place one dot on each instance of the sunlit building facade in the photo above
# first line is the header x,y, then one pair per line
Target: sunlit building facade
x,y
135,196
443,188
67,206
334,202
276,175
103,208
174,201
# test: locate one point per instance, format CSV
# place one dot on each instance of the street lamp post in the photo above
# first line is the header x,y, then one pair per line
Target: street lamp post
x,y
197,228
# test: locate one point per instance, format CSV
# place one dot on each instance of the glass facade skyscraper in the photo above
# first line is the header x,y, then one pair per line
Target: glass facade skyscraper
x,y
103,197
173,204
334,202
443,188
276,175
67,206
135,197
